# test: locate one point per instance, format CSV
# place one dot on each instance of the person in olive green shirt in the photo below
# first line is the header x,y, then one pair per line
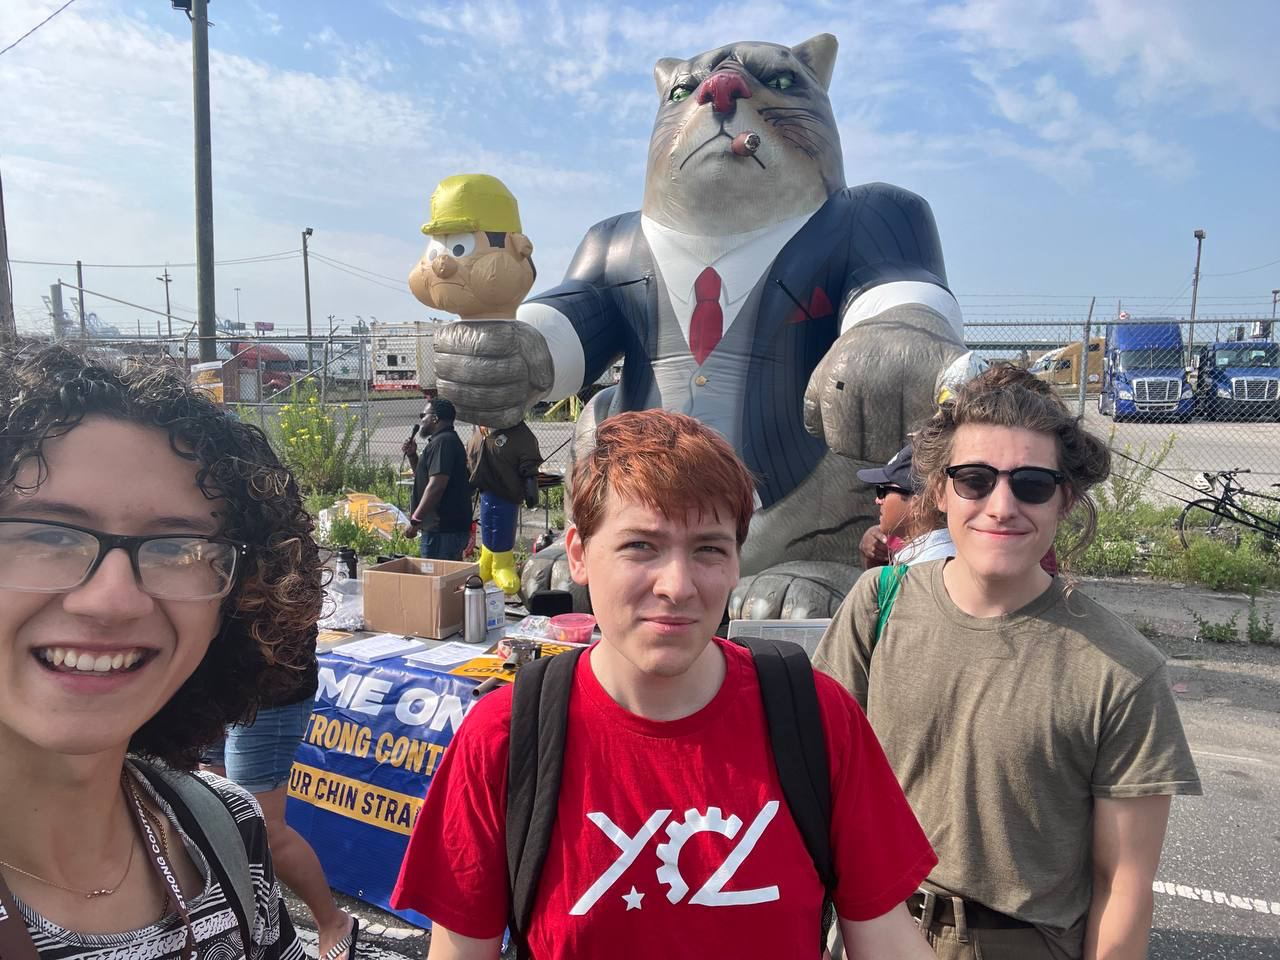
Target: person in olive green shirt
x,y
1034,733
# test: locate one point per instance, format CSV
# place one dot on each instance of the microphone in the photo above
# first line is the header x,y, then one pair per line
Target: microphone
x,y
414,432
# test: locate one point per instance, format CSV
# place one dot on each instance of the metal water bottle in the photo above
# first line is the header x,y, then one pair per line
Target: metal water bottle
x,y
473,612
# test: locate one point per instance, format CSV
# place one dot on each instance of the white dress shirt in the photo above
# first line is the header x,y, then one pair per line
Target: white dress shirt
x,y
741,260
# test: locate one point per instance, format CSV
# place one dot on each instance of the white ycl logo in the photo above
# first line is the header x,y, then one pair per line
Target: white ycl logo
x,y
712,893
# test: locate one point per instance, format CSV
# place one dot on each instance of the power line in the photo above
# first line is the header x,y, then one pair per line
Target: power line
x,y
261,258
1236,273
127,303
36,27
372,273
377,283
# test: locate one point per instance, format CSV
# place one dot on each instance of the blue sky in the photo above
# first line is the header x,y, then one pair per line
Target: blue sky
x,y
1067,149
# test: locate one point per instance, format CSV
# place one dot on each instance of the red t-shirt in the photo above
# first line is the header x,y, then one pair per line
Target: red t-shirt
x,y
672,839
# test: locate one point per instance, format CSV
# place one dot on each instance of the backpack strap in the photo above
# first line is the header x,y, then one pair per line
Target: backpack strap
x,y
891,578
539,721
203,815
799,742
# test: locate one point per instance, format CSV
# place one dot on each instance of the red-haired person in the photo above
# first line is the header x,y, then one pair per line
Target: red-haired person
x,y
670,836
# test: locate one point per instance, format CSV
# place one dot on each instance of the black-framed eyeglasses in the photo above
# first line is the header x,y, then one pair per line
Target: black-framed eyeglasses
x,y
47,556
884,489
975,481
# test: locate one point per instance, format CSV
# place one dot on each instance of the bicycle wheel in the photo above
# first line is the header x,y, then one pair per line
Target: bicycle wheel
x,y
1210,520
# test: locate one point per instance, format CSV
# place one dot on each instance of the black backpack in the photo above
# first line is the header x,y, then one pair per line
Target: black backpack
x,y
539,718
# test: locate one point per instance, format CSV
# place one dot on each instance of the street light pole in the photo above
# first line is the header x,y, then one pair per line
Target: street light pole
x,y
306,286
1195,289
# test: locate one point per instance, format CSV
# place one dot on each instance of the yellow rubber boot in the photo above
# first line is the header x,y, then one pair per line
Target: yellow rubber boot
x,y
486,563
505,573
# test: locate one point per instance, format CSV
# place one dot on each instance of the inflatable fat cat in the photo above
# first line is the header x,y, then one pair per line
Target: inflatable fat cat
x,y
807,321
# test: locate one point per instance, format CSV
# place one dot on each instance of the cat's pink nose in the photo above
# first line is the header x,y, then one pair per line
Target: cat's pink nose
x,y
722,88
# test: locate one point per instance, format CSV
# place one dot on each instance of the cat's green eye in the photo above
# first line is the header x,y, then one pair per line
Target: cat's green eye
x,y
680,93
781,81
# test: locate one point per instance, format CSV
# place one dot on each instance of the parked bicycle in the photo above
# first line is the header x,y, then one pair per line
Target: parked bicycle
x,y
1225,517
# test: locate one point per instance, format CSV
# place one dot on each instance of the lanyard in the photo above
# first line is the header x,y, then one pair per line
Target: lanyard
x,y
15,939
162,867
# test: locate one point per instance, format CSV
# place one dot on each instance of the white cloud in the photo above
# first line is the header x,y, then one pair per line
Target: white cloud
x,y
97,136
1157,52
583,47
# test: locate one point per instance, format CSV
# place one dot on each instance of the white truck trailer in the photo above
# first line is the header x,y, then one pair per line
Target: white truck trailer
x,y
404,356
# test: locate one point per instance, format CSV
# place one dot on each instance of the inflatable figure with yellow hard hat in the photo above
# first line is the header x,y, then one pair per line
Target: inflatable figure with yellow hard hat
x,y
478,262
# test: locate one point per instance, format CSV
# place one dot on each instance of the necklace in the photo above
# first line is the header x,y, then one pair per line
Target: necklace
x,y
87,894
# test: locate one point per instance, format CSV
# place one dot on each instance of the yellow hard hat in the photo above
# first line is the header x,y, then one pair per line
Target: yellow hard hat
x,y
470,202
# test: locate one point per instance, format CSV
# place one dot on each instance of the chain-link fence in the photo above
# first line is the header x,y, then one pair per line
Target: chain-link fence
x,y
1191,401
339,409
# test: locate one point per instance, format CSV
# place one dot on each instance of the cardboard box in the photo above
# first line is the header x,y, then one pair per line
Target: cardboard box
x,y
418,597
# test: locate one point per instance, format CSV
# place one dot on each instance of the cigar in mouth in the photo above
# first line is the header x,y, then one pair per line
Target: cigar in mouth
x,y
746,143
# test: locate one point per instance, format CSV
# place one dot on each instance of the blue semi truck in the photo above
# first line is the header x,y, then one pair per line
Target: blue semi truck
x,y
1238,380
1143,372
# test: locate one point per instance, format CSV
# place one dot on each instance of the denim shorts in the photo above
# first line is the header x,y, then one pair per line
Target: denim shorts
x,y
258,756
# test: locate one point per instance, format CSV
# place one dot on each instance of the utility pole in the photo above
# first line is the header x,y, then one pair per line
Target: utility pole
x,y
55,308
8,326
306,286
80,297
207,316
168,311
1195,289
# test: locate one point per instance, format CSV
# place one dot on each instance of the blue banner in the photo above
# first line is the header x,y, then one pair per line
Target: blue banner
x,y
376,736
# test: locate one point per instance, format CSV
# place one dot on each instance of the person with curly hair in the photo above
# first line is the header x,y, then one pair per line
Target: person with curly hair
x,y
1032,730
158,581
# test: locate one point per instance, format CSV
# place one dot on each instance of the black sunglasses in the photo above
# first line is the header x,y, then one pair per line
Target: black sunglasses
x,y
884,489
975,481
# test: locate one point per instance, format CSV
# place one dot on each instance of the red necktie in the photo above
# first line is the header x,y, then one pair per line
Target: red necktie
x,y
705,326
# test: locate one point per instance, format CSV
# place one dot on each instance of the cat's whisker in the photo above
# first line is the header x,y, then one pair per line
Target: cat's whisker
x,y
811,137
802,147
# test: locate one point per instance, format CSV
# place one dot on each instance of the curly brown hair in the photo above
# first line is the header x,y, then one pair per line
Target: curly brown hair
x,y
266,644
1007,396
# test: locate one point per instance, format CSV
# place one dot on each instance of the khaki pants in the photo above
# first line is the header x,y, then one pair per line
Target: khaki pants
x,y
963,942
1021,944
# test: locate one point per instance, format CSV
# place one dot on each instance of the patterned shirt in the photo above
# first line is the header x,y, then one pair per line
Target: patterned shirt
x,y
213,917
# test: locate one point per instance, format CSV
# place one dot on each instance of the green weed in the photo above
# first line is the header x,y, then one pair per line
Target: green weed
x,y
1258,629
345,532
1216,632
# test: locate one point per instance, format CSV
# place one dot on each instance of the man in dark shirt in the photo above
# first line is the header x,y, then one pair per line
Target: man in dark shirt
x,y
441,489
